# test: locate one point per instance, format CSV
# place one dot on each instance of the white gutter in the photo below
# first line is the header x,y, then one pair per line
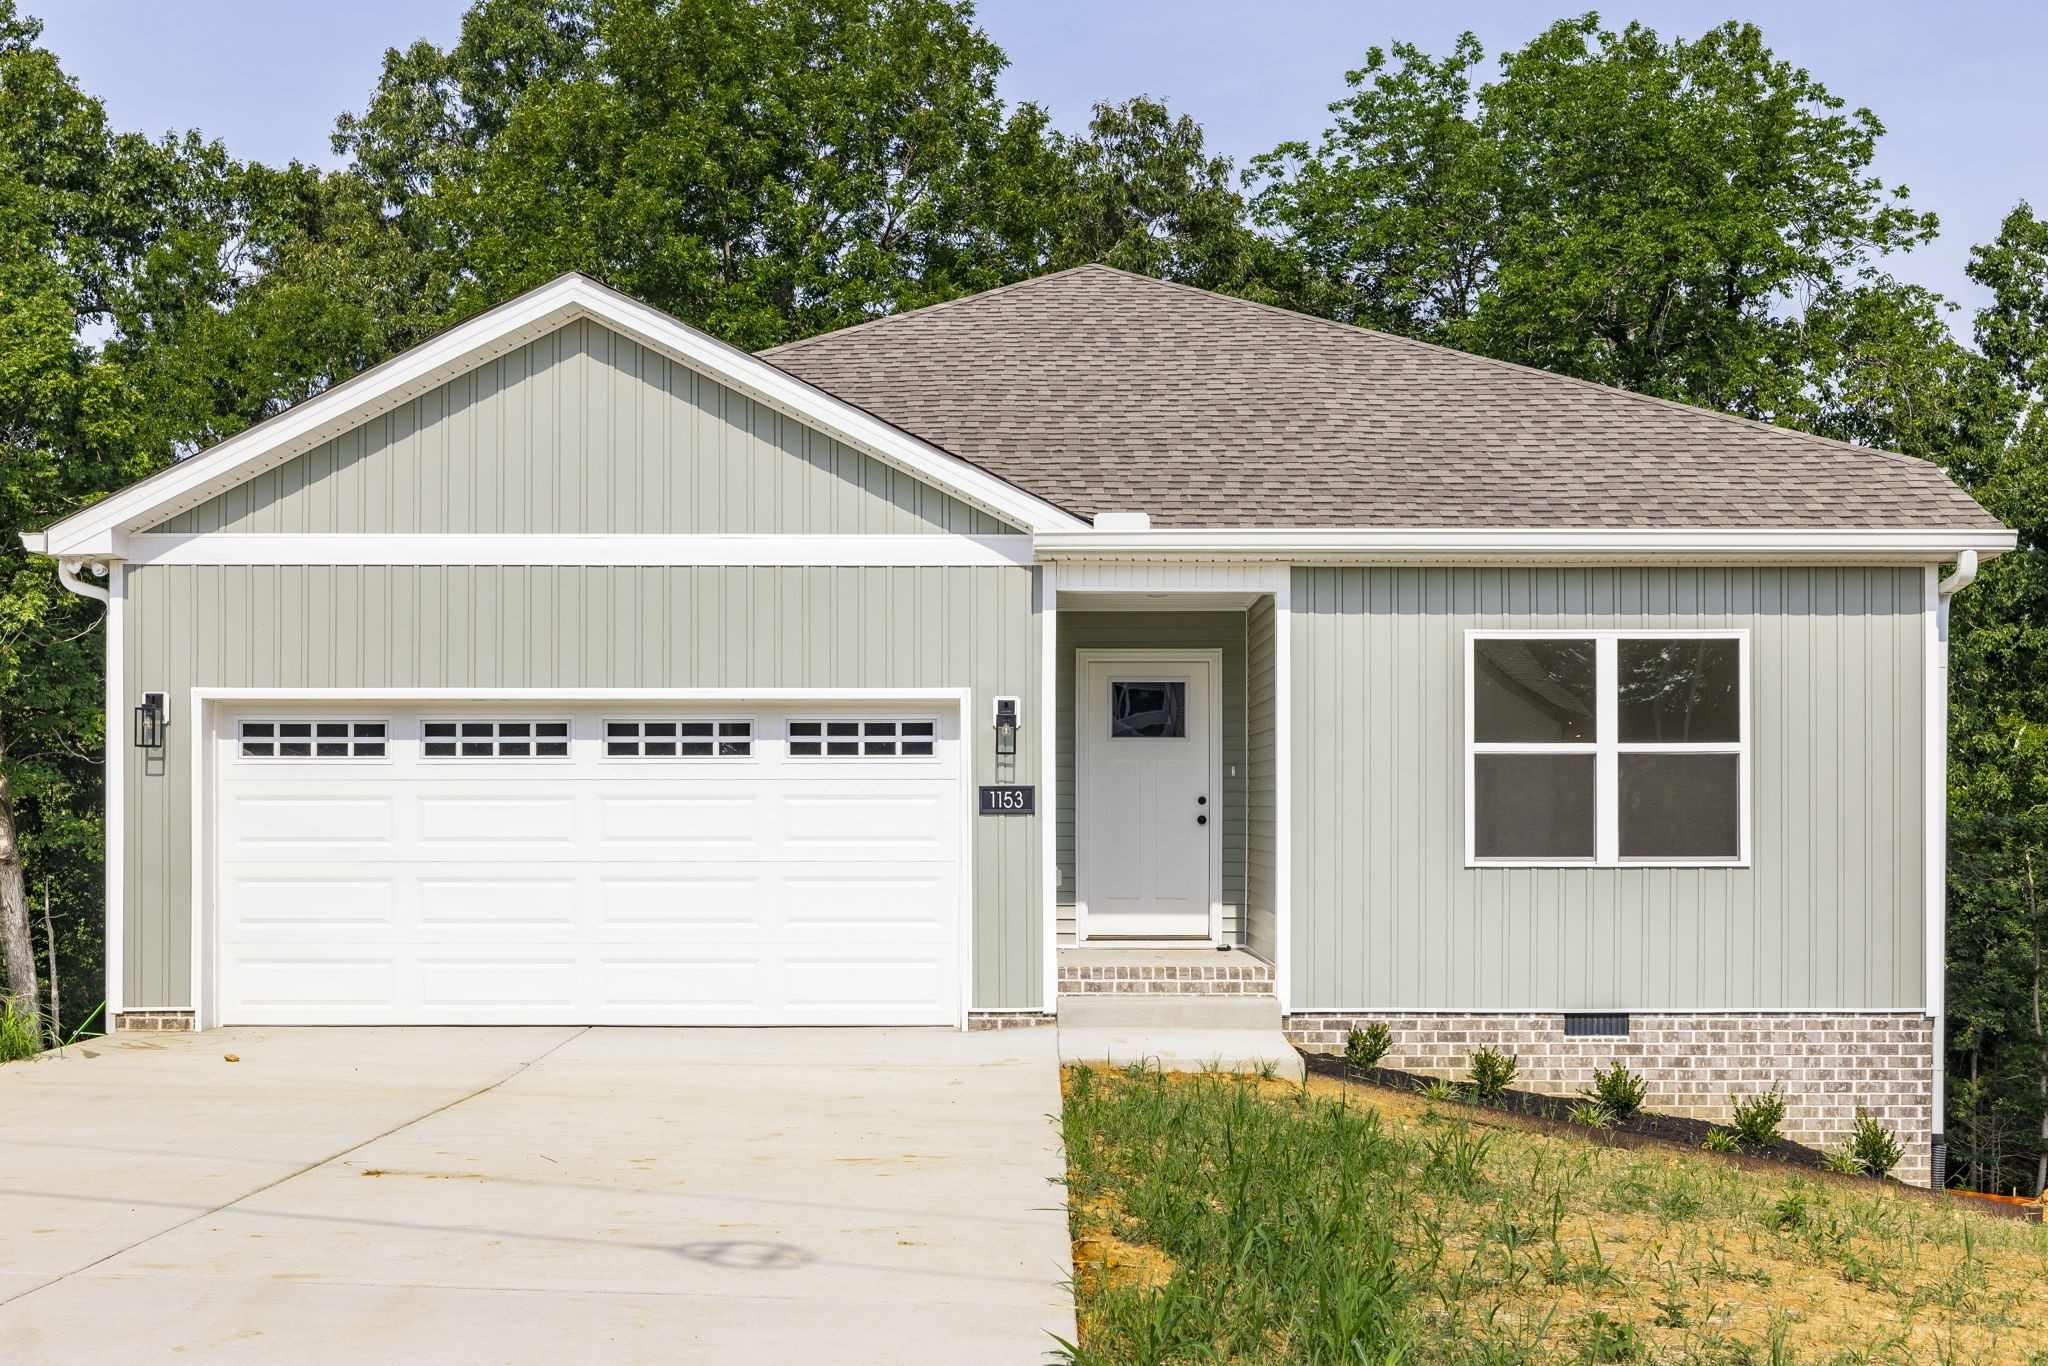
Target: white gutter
x,y
1633,545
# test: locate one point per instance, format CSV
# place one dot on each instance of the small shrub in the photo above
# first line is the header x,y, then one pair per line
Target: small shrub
x,y
1365,1047
1876,1149
19,1037
1757,1119
1592,1114
1492,1072
1617,1090
1720,1141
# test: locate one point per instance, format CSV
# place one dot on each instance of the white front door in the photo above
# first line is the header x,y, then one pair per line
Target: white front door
x,y
1147,819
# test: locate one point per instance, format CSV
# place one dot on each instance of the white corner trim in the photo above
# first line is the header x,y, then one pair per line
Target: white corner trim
x,y
1935,795
1588,545
115,781
1283,791
1048,779
224,548
97,529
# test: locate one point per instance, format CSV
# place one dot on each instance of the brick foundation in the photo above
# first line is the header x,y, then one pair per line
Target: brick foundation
x,y
1828,1064
152,1021
1008,1019
1240,977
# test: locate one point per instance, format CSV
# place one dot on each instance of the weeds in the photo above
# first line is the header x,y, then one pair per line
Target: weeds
x,y
1592,1114
19,1036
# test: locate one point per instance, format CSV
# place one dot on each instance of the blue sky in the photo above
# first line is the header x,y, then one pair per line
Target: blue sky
x,y
1960,87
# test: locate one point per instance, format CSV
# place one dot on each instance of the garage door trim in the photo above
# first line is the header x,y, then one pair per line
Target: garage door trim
x,y
205,707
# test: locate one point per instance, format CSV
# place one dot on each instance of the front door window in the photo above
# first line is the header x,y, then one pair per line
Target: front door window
x,y
1148,711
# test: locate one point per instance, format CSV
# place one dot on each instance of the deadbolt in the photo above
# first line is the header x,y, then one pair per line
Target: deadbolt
x,y
1201,801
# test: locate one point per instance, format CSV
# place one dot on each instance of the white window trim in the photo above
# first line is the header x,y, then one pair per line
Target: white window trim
x,y
938,737
752,756
1608,749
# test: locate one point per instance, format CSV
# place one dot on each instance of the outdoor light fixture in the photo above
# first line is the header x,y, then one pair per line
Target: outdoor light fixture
x,y
1006,727
150,719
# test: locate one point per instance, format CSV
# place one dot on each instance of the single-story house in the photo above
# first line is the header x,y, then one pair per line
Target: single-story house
x,y
575,666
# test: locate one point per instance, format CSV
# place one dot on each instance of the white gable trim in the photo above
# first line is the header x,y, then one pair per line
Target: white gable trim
x,y
102,529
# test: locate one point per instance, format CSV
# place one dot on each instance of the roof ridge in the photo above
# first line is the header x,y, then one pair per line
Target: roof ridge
x,y
924,309
1516,367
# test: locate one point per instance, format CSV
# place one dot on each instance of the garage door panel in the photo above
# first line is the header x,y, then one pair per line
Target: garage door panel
x,y
312,984
678,900
731,821
890,824
699,986
506,822
761,891
316,900
289,825
497,902
497,981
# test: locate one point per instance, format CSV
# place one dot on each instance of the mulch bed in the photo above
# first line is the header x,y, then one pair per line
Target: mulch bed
x,y
1548,1111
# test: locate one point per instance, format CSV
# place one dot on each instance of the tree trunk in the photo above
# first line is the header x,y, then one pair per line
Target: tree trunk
x,y
17,954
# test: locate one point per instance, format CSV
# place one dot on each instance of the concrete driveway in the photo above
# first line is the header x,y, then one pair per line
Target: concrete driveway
x,y
515,1195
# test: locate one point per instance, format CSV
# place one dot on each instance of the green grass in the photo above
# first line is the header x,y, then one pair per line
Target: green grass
x,y
19,1037
1221,1219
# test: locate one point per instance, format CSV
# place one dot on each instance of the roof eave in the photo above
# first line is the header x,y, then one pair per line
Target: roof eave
x,y
1530,545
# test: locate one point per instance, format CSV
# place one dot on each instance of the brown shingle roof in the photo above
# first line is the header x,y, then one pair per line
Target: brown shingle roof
x,y
1099,390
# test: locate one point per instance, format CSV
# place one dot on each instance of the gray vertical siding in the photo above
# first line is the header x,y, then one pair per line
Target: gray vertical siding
x,y
489,627
1223,631
584,431
1262,846
1829,915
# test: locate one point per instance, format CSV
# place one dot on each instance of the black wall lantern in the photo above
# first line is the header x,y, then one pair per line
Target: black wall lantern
x,y
1006,727
150,719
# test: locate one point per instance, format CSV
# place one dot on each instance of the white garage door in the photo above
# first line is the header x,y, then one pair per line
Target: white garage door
x,y
629,864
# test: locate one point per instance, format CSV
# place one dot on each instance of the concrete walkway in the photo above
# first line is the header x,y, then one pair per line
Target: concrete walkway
x,y
535,1195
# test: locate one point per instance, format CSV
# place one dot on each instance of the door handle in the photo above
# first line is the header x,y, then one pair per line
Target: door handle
x,y
1201,820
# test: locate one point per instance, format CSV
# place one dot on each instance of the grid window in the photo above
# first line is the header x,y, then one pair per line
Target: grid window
x,y
861,739
713,739
1607,747
314,739
495,739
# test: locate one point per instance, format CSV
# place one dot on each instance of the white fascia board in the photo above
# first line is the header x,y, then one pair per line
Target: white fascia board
x,y
100,529
624,550
1631,545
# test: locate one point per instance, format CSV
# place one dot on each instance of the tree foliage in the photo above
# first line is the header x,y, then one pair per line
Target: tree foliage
x,y
1658,215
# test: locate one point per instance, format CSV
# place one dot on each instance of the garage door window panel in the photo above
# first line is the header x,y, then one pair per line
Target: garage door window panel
x,y
863,738
494,739
671,738
312,739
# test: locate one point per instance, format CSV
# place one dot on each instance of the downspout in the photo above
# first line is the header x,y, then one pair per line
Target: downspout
x,y
67,574
1937,853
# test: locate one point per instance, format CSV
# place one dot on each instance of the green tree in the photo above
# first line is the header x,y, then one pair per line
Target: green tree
x,y
1649,214
101,234
763,168
1998,776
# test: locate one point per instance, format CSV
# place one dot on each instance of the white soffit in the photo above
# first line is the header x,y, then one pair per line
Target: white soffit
x,y
100,529
1530,545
